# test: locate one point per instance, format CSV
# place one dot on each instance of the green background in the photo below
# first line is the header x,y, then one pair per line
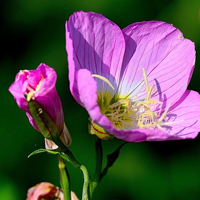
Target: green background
x,y
32,32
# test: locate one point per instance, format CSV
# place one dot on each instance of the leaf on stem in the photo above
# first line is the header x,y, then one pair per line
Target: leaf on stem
x,y
42,151
54,152
111,158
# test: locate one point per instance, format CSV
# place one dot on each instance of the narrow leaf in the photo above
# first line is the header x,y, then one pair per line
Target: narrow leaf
x,y
42,151
54,152
111,158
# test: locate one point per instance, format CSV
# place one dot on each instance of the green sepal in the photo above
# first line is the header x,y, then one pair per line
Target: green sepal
x,y
111,158
95,129
43,120
64,179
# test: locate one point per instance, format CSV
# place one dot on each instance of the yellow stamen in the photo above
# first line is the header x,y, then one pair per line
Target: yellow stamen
x,y
39,84
148,89
104,79
126,114
30,96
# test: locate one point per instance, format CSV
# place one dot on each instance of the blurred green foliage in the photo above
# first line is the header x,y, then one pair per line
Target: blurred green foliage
x,y
33,31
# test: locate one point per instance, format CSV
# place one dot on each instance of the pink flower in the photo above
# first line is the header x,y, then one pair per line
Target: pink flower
x,y
39,85
47,191
133,82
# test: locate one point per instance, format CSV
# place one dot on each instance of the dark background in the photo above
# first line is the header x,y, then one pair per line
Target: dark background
x,y
33,31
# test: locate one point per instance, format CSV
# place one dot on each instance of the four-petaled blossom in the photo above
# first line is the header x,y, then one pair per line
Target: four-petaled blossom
x,y
133,82
47,191
39,85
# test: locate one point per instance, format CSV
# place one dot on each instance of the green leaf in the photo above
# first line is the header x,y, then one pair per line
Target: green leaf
x,y
42,151
111,158
54,152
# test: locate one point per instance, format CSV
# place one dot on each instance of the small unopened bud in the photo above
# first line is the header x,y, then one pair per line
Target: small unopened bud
x,y
35,93
47,191
44,190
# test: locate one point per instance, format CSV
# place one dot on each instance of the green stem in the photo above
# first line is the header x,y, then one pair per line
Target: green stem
x,y
97,175
67,155
85,193
64,179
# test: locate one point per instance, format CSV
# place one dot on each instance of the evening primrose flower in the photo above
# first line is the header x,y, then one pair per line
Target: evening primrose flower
x,y
132,82
38,88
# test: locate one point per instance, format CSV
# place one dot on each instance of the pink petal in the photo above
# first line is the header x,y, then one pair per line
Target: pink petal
x,y
187,111
166,56
49,80
186,114
96,44
16,89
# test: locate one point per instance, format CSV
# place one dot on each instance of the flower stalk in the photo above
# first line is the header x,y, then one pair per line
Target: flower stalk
x,y
67,155
64,179
99,157
86,192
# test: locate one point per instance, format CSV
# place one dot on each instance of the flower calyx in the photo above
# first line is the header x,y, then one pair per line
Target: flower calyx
x,y
95,129
43,120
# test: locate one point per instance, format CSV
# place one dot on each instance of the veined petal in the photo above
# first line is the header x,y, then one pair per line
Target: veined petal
x,y
184,115
94,43
187,112
165,55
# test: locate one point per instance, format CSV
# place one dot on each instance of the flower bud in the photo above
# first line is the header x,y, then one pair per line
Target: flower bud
x,y
44,191
47,191
35,93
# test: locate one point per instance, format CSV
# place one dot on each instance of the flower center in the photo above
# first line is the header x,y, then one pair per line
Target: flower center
x,y
126,114
121,114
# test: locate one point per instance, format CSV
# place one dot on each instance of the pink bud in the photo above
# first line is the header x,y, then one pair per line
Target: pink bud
x,y
44,191
39,85
47,191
